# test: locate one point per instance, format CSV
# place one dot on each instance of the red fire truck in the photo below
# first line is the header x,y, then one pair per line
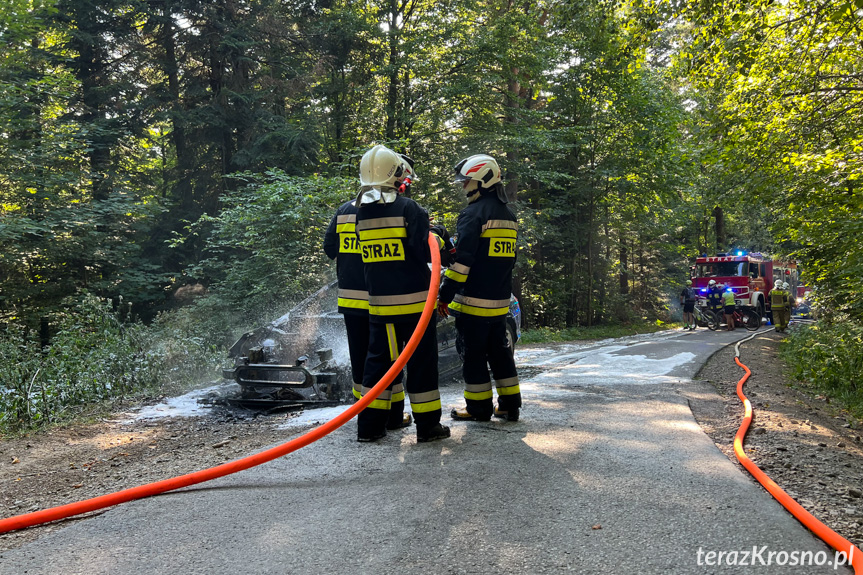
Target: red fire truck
x,y
750,276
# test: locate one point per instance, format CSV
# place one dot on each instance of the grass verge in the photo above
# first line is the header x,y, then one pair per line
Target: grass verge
x,y
547,335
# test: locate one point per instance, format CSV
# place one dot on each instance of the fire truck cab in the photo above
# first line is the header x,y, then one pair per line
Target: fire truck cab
x,y
750,276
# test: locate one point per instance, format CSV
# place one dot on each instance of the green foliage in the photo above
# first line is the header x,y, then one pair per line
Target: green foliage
x,y
98,354
828,358
263,251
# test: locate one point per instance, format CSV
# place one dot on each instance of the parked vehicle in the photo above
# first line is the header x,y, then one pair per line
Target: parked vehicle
x,y
750,276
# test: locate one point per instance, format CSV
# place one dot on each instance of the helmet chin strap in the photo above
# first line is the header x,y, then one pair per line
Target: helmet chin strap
x,y
471,190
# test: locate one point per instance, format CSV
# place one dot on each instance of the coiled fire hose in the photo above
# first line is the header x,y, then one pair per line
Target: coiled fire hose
x,y
68,510
833,539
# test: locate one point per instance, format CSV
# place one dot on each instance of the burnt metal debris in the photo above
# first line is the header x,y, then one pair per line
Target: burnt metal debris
x,y
265,383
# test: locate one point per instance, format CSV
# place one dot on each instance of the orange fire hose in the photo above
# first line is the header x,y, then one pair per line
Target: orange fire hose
x,y
820,530
64,511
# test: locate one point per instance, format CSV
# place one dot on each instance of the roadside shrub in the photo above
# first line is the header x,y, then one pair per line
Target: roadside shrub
x,y
829,359
98,353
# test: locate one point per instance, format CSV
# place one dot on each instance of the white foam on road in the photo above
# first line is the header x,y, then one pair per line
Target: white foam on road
x,y
606,367
569,352
316,416
183,406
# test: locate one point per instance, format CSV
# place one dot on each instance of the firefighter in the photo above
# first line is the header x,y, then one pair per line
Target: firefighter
x,y
714,298
789,299
687,300
477,288
779,302
341,244
393,240
730,306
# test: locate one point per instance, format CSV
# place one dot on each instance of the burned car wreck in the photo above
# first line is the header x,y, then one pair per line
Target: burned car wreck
x,y
301,359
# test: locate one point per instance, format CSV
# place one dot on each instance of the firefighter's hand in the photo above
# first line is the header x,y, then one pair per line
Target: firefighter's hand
x,y
443,309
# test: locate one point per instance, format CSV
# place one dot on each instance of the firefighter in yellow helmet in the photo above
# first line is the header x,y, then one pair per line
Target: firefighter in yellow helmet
x,y
393,236
478,286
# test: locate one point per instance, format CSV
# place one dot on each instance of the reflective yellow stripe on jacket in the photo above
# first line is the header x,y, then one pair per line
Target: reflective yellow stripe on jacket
x,y
479,306
380,228
499,229
352,298
398,304
458,272
346,223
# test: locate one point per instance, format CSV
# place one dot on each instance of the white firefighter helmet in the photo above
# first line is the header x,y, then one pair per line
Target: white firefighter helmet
x,y
777,284
711,283
478,171
380,168
785,285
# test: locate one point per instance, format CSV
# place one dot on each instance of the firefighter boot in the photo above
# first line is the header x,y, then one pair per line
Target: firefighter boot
x,y
433,433
394,422
508,415
370,437
465,415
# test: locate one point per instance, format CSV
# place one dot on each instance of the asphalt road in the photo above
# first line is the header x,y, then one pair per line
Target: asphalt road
x,y
606,473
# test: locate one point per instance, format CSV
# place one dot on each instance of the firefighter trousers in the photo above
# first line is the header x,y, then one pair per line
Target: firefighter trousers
x,y
486,345
357,328
781,317
386,341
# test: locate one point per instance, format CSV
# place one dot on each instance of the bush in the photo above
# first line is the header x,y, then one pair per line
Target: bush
x,y
829,359
97,354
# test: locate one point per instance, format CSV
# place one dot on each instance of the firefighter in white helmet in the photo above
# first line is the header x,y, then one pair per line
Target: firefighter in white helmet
x,y
779,306
408,176
789,298
477,288
393,240
714,298
341,244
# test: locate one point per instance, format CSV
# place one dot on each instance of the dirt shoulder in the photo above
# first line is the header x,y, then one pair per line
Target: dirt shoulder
x,y
809,447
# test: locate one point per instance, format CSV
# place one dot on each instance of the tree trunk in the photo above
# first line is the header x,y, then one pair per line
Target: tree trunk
x,y
393,77
623,277
185,166
90,70
720,229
